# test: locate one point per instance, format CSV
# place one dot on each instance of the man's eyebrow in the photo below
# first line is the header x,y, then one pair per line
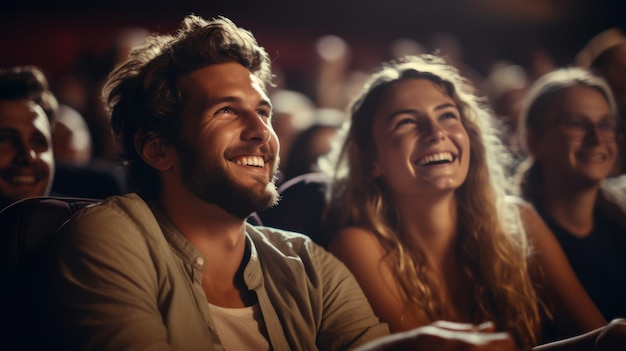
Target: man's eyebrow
x,y
235,99
222,99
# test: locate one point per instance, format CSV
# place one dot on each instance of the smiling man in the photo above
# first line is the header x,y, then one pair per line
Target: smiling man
x,y
175,265
27,110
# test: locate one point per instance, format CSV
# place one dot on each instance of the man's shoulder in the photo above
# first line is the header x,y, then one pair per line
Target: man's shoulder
x,y
129,202
117,226
114,211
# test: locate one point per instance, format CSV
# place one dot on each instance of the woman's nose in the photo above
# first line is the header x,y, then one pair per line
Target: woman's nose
x,y
594,135
434,132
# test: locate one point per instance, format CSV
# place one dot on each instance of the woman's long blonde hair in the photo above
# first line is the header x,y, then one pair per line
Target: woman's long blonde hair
x,y
492,246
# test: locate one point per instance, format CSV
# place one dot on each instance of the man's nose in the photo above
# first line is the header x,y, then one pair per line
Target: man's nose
x,y
25,154
257,128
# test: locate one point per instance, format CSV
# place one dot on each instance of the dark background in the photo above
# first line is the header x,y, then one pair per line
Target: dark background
x,y
62,35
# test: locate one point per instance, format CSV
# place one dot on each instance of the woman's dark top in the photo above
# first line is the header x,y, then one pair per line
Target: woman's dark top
x,y
599,261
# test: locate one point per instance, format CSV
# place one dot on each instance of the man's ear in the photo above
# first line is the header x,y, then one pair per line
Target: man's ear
x,y
154,150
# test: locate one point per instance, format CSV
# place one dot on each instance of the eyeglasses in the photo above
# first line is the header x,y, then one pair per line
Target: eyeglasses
x,y
576,128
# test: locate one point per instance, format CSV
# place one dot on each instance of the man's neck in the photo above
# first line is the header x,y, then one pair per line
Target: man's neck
x,y
200,221
220,237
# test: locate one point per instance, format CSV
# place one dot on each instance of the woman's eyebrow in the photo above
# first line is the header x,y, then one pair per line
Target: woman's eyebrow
x,y
443,106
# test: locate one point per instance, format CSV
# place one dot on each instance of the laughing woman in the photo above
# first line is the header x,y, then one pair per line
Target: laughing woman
x,y
420,215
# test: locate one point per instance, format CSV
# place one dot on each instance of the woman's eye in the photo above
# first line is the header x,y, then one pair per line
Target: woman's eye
x,y
574,122
449,115
405,122
608,125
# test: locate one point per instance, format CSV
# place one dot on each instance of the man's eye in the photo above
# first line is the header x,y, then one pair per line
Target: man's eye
x,y
7,138
41,143
263,113
225,110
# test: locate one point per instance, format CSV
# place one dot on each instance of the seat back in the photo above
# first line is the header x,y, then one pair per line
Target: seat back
x,y
301,207
27,226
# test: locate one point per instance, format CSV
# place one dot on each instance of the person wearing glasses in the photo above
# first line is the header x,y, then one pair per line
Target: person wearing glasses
x,y
569,128
605,55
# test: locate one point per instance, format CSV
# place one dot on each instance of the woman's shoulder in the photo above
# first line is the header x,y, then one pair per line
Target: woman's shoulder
x,y
522,206
353,235
356,243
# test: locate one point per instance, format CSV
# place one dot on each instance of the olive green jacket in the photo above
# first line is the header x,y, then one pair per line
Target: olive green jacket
x,y
127,279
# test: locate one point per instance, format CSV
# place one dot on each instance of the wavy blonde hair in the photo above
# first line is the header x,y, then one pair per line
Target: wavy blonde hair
x,y
492,245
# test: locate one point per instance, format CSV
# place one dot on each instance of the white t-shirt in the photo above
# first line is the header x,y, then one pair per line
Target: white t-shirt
x,y
240,328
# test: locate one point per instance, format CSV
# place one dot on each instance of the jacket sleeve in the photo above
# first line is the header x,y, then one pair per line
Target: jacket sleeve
x,y
103,286
348,319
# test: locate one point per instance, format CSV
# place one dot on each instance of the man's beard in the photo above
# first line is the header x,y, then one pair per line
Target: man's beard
x,y
210,182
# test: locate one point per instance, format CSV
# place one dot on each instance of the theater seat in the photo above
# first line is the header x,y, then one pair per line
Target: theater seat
x,y
301,207
27,227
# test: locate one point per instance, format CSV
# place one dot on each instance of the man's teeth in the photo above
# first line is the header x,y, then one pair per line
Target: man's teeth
x,y
442,156
23,179
254,161
593,157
